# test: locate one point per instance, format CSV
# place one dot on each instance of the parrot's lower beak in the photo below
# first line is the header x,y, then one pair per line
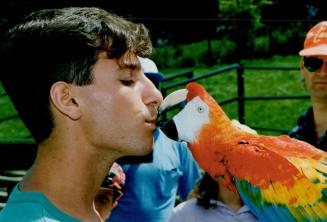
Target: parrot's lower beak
x,y
169,128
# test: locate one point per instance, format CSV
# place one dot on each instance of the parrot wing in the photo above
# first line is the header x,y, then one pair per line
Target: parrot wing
x,y
279,187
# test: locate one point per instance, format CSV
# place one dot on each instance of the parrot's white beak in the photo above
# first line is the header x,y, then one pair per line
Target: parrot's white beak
x,y
173,99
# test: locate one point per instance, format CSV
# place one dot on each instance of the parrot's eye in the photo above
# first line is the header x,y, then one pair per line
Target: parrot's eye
x,y
200,109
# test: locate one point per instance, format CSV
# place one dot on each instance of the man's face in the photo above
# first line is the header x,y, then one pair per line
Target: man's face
x,y
119,109
315,76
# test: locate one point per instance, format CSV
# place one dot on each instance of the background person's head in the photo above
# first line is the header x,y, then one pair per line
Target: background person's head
x,y
110,191
207,191
151,71
314,61
54,45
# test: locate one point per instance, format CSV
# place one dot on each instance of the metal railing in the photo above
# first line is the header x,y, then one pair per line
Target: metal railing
x,y
240,98
188,76
188,73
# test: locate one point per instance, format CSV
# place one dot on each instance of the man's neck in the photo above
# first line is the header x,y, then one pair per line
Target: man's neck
x,y
320,116
69,177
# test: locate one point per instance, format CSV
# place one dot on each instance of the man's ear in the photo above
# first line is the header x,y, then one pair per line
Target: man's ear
x,y
63,99
301,64
302,72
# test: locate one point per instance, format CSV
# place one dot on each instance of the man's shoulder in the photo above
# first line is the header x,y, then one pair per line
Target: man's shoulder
x,y
304,126
21,212
187,205
21,207
186,211
32,207
31,212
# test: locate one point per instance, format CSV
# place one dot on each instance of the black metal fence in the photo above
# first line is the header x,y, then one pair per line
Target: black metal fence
x,y
188,76
18,145
240,98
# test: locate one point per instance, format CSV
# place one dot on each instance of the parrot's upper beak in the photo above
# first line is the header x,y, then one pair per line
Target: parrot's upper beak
x,y
173,99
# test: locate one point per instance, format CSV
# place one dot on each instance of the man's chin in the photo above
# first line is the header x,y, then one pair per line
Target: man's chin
x,y
148,150
320,93
144,158
144,148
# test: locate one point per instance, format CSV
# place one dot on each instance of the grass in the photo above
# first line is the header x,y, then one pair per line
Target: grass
x,y
12,128
270,113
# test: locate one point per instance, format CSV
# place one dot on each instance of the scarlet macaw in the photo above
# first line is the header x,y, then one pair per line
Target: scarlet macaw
x,y
278,178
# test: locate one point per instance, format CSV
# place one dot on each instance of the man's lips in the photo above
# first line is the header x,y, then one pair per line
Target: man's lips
x,y
152,121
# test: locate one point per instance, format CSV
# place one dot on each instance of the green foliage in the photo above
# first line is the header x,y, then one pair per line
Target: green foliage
x,y
195,54
292,37
261,45
12,127
279,37
223,50
243,21
7,109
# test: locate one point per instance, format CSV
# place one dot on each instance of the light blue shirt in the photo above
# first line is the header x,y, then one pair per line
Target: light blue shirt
x,y
32,207
151,188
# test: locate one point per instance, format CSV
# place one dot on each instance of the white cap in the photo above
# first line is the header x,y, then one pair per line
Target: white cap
x,y
148,65
151,71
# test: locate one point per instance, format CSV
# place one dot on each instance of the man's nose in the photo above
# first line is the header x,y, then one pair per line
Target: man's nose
x,y
154,96
158,96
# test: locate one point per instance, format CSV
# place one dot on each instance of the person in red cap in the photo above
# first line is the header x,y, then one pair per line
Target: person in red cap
x,y
110,191
312,125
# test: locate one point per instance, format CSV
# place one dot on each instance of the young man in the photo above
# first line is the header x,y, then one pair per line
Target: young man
x,y
74,77
312,126
154,181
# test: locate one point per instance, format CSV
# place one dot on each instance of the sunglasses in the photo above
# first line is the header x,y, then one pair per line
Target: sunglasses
x,y
312,64
105,195
116,194
112,192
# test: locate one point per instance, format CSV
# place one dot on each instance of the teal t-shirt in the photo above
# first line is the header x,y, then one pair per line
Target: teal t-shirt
x,y
32,207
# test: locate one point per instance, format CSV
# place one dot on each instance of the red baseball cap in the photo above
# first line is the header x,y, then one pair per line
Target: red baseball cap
x,y
315,43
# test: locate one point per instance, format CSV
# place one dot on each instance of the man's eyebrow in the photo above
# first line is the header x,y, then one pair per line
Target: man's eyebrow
x,y
129,61
131,66
130,71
